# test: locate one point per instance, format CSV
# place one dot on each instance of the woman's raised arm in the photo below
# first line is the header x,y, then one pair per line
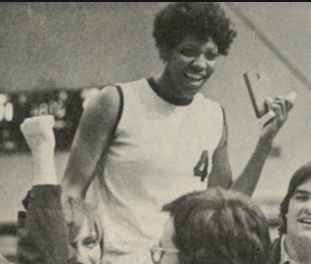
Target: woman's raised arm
x,y
93,136
248,179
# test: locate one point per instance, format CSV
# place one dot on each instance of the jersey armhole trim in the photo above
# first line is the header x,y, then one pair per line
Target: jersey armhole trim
x,y
225,128
120,110
224,134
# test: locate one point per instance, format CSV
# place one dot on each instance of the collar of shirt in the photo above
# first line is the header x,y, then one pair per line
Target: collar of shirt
x,y
285,258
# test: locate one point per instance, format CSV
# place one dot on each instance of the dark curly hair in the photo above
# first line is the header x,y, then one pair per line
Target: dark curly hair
x,y
219,227
199,19
299,177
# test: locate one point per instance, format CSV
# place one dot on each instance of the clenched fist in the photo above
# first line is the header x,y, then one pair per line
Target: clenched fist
x,y
38,132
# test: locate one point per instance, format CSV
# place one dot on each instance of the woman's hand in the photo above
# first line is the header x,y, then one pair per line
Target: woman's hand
x,y
281,107
277,113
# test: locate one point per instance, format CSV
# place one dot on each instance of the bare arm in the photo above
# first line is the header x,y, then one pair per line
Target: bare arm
x,y
38,132
93,136
42,232
248,179
221,174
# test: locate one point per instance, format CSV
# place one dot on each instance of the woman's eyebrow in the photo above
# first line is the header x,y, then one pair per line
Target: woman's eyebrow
x,y
301,191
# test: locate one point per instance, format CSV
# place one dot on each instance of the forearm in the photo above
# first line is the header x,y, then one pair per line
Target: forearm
x,y
44,167
248,179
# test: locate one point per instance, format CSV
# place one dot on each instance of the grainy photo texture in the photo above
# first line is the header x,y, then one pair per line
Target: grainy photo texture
x,y
151,132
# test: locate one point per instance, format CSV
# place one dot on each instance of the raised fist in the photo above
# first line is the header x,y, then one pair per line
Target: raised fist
x,y
38,132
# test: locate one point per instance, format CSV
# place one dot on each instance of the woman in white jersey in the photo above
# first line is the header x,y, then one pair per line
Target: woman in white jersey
x,y
152,140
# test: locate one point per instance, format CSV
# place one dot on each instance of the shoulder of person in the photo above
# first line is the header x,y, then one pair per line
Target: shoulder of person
x,y
275,252
106,102
107,96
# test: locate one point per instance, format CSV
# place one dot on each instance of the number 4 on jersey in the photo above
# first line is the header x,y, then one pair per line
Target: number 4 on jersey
x,y
200,169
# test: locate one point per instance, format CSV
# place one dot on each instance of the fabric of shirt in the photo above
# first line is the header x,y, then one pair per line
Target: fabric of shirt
x,y
275,252
42,231
151,162
285,258
278,254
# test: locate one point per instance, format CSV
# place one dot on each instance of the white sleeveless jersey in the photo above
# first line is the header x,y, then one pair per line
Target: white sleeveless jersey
x,y
151,162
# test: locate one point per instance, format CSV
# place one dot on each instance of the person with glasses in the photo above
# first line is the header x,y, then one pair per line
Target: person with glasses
x,y
152,140
294,244
51,232
216,226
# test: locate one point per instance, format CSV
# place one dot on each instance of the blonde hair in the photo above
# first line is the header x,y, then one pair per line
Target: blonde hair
x,y
75,211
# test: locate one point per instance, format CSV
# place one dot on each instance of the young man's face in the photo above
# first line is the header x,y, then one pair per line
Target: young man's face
x,y
299,213
166,252
85,247
190,64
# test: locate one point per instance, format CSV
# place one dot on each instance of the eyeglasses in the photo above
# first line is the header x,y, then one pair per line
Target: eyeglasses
x,y
157,253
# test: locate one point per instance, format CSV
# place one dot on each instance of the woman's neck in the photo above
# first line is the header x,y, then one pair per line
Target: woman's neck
x,y
165,88
298,249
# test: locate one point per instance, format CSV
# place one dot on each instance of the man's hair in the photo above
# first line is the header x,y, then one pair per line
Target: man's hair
x,y
75,211
219,226
299,177
199,19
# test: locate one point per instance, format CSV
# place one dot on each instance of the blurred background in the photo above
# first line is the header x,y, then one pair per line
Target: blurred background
x,y
53,56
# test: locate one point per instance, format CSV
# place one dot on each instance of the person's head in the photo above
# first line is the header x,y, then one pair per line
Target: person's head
x,y
202,20
85,232
296,206
189,37
214,227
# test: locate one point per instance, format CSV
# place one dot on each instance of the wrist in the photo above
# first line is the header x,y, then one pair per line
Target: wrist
x,y
42,153
44,168
265,144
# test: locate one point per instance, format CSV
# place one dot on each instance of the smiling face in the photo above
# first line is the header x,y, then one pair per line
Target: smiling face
x,y
85,247
189,65
299,213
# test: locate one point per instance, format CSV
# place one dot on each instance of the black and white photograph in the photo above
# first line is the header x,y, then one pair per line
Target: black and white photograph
x,y
155,133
